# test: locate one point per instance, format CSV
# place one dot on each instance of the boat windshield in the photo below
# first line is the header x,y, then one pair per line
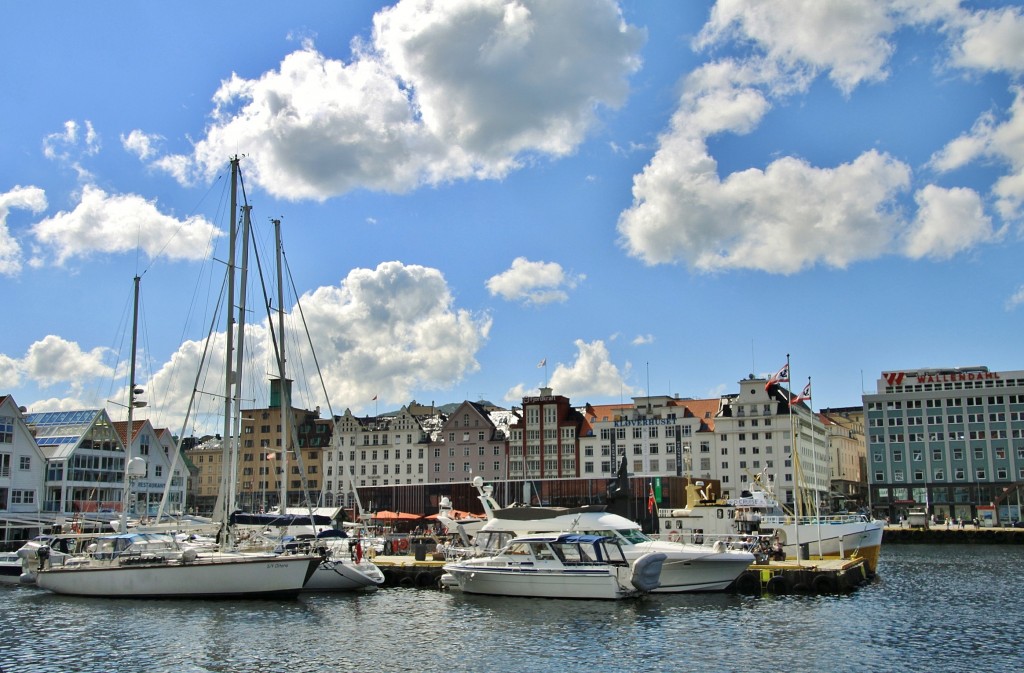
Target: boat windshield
x,y
634,535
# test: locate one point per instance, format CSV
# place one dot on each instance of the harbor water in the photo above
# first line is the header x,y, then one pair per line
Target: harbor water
x,y
935,608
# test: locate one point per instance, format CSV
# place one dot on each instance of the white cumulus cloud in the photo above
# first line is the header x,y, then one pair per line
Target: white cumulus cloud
x,y
948,221
27,198
107,223
385,331
591,374
533,282
440,92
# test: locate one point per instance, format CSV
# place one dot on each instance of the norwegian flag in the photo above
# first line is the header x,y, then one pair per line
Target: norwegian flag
x,y
651,502
781,376
805,395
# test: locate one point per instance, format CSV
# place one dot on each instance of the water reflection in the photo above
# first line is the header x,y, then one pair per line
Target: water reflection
x,y
937,609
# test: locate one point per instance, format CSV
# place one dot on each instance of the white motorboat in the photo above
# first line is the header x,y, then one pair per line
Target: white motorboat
x,y
10,567
758,514
346,565
688,567
558,566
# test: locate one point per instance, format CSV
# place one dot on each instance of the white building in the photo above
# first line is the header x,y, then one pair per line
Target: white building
x,y
756,432
22,468
157,448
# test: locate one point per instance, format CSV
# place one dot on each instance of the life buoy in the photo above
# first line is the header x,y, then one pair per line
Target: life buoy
x,y
403,544
673,536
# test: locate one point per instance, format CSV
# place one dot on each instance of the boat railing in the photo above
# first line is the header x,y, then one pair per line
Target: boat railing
x,y
824,520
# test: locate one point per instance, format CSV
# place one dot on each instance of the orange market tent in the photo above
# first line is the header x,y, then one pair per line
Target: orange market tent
x,y
388,515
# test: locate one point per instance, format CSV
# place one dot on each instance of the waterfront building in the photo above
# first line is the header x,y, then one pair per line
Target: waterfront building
x,y
543,441
948,439
845,427
22,470
157,448
377,451
207,455
469,444
85,460
759,431
651,433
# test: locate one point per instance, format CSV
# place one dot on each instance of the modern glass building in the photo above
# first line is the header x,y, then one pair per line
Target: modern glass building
x,y
949,440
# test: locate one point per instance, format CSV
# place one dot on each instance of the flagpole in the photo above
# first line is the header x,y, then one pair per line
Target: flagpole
x,y
796,464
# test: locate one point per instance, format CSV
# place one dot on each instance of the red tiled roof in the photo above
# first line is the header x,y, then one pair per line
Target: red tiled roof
x,y
121,428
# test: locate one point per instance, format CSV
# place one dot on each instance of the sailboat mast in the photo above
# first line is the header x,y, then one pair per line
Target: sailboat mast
x,y
239,354
227,488
285,400
123,525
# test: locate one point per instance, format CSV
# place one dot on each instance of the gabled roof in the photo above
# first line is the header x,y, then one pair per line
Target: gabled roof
x,y
121,427
58,433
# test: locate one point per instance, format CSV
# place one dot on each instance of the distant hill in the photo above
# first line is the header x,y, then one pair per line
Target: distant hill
x,y
449,408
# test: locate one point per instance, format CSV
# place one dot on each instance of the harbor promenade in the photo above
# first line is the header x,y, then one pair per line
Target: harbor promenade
x,y
953,533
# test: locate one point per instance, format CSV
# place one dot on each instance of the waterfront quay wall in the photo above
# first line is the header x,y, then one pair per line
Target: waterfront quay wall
x,y
938,533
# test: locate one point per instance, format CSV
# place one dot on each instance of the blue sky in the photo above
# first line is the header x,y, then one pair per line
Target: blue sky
x,y
648,196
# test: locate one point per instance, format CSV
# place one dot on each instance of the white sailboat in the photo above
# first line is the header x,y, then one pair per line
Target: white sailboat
x,y
156,565
345,566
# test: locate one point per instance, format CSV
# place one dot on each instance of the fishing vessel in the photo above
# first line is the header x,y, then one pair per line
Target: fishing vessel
x,y
558,566
757,513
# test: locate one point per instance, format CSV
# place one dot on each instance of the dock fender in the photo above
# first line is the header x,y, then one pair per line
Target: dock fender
x,y
777,585
747,583
647,571
824,584
424,579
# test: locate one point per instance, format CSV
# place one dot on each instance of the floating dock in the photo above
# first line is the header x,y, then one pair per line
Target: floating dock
x,y
807,577
408,571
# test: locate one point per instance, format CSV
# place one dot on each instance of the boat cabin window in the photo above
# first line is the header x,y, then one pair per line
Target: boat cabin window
x,y
518,549
542,552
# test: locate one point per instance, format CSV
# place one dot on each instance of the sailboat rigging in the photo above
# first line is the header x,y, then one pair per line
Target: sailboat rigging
x,y
145,564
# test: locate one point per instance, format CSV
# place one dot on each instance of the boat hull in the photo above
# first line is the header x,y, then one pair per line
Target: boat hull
x,y
218,577
583,584
340,576
685,571
832,541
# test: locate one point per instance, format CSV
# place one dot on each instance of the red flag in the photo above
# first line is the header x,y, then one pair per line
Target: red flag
x,y
651,502
805,395
781,376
